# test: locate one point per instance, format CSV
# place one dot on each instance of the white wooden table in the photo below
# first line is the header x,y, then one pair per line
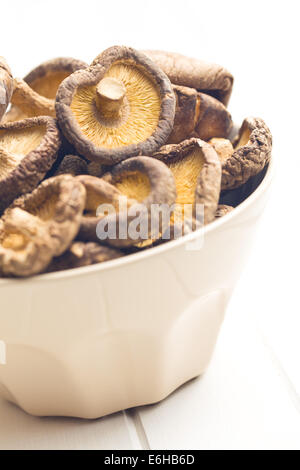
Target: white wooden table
x,y
249,397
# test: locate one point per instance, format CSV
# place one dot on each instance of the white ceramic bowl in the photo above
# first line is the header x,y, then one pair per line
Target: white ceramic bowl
x,y
95,340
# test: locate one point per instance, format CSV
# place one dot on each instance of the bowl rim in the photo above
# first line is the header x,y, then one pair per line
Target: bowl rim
x,y
156,250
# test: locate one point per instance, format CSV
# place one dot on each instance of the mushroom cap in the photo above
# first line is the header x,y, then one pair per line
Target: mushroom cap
x,y
39,87
198,115
6,86
96,169
197,171
144,120
144,182
223,147
28,150
24,240
83,254
46,77
72,165
98,192
204,76
58,203
252,152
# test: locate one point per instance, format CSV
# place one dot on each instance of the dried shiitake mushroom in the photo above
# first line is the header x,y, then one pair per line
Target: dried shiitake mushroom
x,y
28,150
121,107
40,225
58,203
83,254
194,73
198,115
35,94
24,244
222,210
96,169
72,165
252,151
98,192
142,182
223,147
6,86
197,171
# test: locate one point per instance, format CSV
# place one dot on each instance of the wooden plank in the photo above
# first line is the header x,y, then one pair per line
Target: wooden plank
x,y
242,402
19,431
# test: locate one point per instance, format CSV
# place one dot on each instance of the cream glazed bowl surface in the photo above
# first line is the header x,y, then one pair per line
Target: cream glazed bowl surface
x,y
92,341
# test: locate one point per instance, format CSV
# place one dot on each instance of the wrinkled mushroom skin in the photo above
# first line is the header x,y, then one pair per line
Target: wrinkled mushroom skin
x,y
96,169
91,128
142,180
35,94
252,152
38,140
222,210
198,115
197,172
72,165
83,254
6,86
203,76
59,203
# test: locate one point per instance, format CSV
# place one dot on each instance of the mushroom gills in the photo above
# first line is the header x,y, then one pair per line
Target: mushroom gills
x,y
186,171
135,186
137,113
244,139
93,201
44,208
15,144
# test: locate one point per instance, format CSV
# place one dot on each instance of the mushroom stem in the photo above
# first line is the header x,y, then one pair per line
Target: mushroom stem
x,y
29,101
110,94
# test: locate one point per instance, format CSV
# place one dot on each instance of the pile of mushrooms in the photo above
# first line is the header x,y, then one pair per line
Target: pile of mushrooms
x,y
86,147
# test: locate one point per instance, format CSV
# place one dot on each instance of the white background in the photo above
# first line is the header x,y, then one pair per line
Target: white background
x,y
249,398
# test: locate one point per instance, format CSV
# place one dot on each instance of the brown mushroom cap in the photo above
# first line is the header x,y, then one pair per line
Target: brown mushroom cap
x,y
96,169
24,244
98,192
28,150
144,182
197,171
194,73
83,254
198,115
122,107
6,86
58,203
252,151
222,210
72,165
223,147
46,78
35,94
